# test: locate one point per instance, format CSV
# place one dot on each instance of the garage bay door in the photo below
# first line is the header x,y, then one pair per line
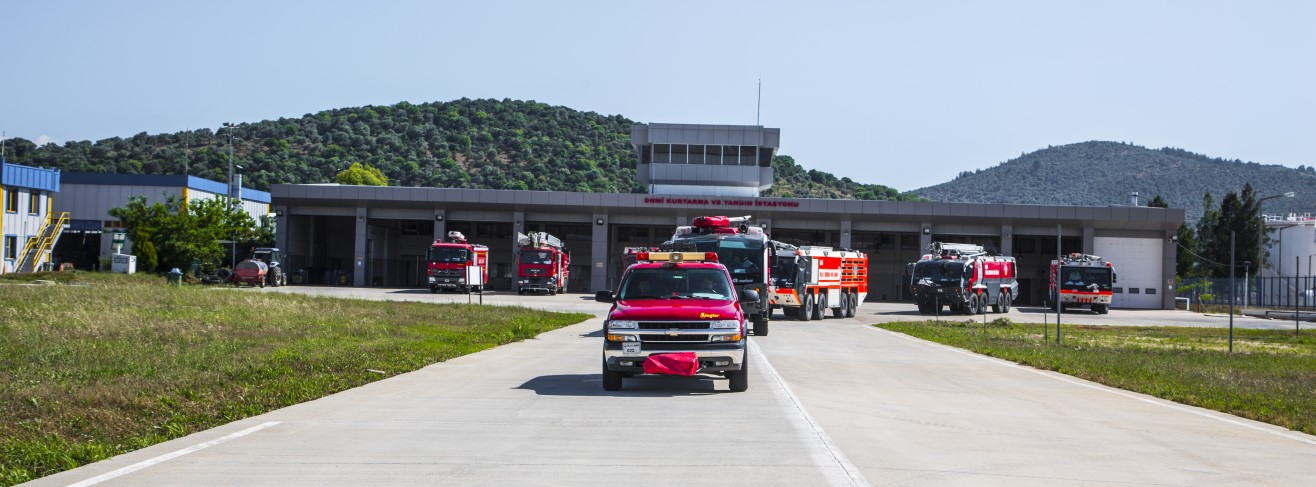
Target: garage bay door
x,y
1137,267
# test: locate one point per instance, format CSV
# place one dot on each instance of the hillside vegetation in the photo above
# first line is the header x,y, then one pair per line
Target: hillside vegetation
x,y
491,144
1105,173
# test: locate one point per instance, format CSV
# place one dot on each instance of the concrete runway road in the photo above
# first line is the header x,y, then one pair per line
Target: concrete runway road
x,y
830,403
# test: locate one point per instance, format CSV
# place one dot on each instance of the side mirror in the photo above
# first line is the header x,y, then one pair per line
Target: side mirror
x,y
603,297
749,296
1114,278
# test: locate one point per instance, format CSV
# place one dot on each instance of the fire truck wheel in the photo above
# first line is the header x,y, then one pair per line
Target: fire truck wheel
x,y
611,378
1005,303
761,325
739,379
806,308
552,292
854,304
1101,308
839,311
819,304
972,307
924,308
996,307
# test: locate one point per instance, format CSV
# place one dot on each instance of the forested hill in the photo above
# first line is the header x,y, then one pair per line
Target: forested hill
x,y
465,143
1105,173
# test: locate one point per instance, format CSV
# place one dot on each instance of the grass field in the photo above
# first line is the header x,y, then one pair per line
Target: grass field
x,y
1270,377
91,371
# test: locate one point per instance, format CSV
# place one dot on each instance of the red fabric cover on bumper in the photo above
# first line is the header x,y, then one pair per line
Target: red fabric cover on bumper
x,y
685,363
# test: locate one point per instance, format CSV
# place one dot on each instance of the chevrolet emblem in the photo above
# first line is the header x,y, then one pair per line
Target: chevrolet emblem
x,y
673,332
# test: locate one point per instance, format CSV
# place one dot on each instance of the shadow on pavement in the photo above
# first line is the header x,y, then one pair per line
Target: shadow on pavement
x,y
638,386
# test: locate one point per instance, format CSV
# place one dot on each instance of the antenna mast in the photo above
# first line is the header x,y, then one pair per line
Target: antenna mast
x,y
758,107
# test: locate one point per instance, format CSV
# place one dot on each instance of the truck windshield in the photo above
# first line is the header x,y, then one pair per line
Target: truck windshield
x,y
939,272
1085,278
539,257
744,259
783,271
447,254
670,283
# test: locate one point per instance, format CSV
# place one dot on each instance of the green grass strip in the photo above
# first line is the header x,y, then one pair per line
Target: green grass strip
x,y
1270,377
92,371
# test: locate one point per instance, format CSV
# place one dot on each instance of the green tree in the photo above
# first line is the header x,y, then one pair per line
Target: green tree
x,y
1158,202
361,175
167,235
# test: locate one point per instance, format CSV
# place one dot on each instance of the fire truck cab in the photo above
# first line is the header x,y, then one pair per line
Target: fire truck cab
x,y
1084,280
676,313
457,264
965,278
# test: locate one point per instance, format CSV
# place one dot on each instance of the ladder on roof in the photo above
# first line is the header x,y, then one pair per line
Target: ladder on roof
x,y
40,245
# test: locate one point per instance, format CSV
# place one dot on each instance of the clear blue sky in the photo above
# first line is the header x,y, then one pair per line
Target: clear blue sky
x,y
904,94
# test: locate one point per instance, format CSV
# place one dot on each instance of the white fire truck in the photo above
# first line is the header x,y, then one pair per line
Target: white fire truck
x,y
807,281
965,278
1085,280
542,264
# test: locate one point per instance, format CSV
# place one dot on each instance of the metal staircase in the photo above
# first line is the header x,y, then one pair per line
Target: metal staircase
x,y
38,246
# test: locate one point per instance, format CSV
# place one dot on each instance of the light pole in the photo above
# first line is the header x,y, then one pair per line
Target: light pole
x,y
228,130
1246,290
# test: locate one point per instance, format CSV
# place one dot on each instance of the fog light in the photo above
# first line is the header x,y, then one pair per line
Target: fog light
x,y
722,363
627,363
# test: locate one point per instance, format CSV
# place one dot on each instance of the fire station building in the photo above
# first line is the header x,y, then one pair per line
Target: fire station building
x,y
378,236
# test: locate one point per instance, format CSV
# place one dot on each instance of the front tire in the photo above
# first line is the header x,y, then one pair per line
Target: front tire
x,y
819,304
739,379
761,326
997,307
611,378
806,308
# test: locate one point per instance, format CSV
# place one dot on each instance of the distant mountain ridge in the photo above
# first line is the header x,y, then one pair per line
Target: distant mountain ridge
x,y
1098,173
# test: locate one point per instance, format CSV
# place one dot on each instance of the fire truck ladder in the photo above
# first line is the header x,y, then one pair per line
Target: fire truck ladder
x,y
538,239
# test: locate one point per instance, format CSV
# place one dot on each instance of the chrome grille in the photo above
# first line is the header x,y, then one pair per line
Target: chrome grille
x,y
667,325
677,338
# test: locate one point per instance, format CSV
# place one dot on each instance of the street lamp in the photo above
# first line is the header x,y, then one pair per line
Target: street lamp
x,y
1261,232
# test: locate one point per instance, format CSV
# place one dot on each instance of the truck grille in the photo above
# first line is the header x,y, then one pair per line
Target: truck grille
x,y
700,338
667,325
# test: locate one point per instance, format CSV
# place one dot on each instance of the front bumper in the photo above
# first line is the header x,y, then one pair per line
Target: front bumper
x,y
447,282
533,284
734,357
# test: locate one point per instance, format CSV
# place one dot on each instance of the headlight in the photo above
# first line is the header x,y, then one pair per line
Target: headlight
x,y
725,338
724,325
623,325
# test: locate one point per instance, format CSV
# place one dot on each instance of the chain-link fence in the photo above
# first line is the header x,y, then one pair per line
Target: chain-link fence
x,y
1262,292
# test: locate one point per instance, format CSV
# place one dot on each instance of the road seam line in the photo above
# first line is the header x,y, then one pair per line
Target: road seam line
x,y
170,456
851,471
1216,415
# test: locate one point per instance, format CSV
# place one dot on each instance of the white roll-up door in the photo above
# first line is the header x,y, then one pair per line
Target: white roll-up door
x,y
1137,267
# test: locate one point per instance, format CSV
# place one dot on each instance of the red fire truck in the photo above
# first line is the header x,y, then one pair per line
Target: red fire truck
x,y
676,313
1085,280
965,278
457,264
807,281
542,264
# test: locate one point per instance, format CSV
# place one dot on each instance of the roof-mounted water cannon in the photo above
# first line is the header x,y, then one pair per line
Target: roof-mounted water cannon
x,y
456,237
955,250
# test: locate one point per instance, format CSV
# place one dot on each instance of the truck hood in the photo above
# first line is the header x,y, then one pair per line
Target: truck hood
x,y
675,310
